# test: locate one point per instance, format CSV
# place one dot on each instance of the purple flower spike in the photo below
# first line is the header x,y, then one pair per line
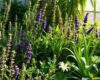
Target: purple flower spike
x,y
90,29
44,24
39,14
97,34
76,23
86,18
28,53
19,47
16,70
23,36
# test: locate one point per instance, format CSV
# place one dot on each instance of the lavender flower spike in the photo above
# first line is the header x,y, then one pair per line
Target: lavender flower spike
x,y
76,22
90,29
44,24
86,18
39,14
19,47
97,34
16,70
28,53
23,36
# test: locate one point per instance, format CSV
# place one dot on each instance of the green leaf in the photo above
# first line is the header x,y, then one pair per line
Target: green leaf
x,y
84,60
95,66
96,78
57,29
91,75
85,78
60,76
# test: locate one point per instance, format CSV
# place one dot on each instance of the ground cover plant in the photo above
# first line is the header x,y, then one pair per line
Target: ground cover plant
x,y
46,41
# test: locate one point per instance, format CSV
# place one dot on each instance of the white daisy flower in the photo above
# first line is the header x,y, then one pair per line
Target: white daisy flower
x,y
63,66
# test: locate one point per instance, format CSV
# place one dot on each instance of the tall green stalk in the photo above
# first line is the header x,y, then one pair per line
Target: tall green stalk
x,y
93,2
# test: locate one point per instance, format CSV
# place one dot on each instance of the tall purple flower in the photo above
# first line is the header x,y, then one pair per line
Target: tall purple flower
x,y
16,70
28,53
44,24
97,34
89,30
23,36
86,18
39,14
76,23
19,47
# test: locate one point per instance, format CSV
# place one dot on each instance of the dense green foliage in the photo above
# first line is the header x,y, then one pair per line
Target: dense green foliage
x,y
46,41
